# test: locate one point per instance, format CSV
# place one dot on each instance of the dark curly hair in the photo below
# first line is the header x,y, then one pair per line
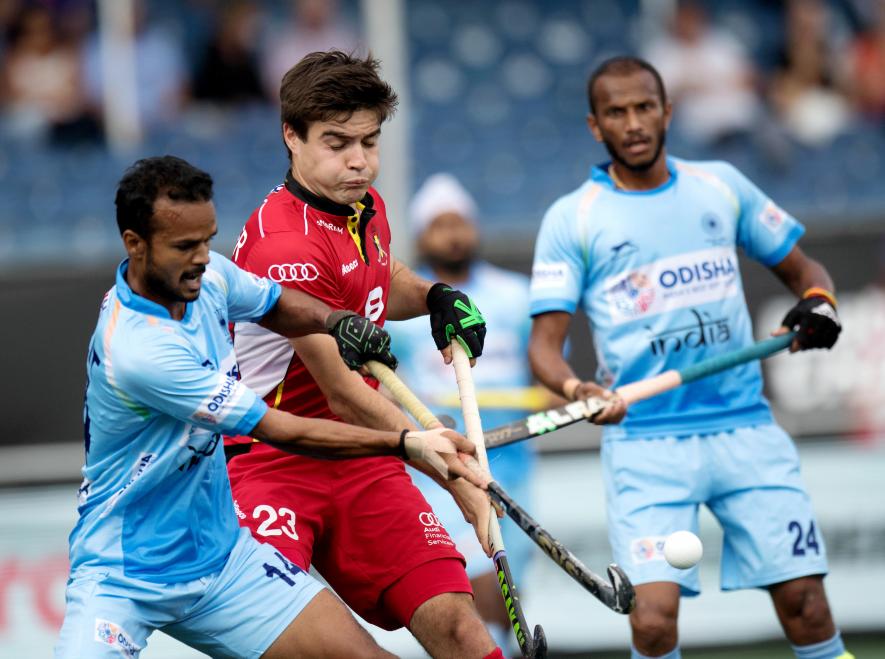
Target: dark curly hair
x,y
623,65
151,178
326,85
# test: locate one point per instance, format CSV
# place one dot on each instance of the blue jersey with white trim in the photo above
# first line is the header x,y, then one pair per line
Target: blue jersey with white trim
x,y
502,297
657,274
155,503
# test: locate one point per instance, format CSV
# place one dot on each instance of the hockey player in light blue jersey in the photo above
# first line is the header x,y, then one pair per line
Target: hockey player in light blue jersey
x,y
443,218
648,248
157,544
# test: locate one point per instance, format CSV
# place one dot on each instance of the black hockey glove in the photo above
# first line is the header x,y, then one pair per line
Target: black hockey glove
x,y
359,340
815,321
453,315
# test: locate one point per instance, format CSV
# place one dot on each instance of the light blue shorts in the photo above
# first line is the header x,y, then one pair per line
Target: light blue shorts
x,y
516,481
748,478
238,612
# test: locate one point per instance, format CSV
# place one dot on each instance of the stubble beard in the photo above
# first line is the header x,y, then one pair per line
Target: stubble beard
x,y
641,167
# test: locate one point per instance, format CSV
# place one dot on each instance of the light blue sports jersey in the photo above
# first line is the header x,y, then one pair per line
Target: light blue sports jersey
x,y
155,503
657,273
503,299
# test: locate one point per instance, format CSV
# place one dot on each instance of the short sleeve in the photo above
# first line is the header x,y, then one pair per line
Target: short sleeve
x,y
558,268
294,262
766,232
249,297
166,376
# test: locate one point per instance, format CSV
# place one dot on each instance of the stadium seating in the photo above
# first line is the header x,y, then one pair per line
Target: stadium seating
x,y
497,98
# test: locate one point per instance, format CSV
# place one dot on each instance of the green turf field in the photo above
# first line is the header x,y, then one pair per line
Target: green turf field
x,y
863,646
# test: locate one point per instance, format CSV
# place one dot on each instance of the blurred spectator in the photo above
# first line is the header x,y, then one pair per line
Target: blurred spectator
x,y
866,66
41,82
228,71
160,70
807,91
313,25
708,76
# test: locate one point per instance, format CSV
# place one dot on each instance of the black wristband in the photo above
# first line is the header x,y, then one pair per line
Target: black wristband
x,y
402,444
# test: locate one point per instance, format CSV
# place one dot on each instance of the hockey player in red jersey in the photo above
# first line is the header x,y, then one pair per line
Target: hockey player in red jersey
x,y
361,523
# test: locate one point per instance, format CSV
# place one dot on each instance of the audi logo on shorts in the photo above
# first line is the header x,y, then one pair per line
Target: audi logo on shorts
x,y
429,519
280,272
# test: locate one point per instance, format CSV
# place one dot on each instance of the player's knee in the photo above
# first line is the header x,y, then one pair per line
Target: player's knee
x,y
450,620
654,624
465,625
804,601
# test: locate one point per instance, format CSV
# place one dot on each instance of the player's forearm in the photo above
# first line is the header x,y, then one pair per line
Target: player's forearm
x,y
799,273
545,351
323,437
296,314
408,293
364,406
549,367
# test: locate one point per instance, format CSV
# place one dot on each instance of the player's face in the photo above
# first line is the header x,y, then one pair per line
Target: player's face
x,y
339,159
449,242
170,264
630,119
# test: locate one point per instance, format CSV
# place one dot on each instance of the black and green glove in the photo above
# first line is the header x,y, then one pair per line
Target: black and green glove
x,y
453,315
359,340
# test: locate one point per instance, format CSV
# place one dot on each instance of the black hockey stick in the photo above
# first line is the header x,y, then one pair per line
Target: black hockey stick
x,y
541,423
534,646
617,593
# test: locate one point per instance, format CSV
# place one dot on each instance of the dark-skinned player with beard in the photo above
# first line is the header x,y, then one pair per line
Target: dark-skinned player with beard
x,y
648,248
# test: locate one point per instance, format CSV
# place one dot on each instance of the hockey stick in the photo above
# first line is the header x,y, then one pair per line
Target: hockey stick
x,y
541,423
617,594
529,646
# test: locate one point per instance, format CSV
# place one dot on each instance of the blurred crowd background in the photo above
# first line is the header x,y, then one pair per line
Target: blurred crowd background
x,y
494,92
791,91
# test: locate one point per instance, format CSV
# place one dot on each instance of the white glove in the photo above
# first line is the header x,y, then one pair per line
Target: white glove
x,y
440,448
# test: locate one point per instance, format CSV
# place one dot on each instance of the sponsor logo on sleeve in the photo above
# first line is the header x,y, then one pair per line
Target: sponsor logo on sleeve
x,y
109,633
222,401
772,217
549,275
645,550
675,282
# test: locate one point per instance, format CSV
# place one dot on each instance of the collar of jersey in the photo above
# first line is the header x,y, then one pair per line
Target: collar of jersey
x,y
321,203
599,174
136,302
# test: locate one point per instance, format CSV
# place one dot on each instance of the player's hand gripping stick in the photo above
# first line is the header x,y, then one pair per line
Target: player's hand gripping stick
x,y
530,646
542,423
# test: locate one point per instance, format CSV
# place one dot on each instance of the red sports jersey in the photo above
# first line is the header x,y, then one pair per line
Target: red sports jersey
x,y
322,248
342,257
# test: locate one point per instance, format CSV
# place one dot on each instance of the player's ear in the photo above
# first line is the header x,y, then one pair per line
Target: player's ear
x,y
291,138
593,125
668,113
135,245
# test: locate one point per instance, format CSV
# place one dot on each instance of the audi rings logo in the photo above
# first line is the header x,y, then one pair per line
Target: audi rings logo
x,y
293,272
429,519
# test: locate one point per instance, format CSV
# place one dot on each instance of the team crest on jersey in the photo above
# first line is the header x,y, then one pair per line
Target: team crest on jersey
x,y
633,294
382,255
647,549
711,224
111,634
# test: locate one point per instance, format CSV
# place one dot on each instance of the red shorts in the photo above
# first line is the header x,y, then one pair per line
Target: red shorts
x,y
363,524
